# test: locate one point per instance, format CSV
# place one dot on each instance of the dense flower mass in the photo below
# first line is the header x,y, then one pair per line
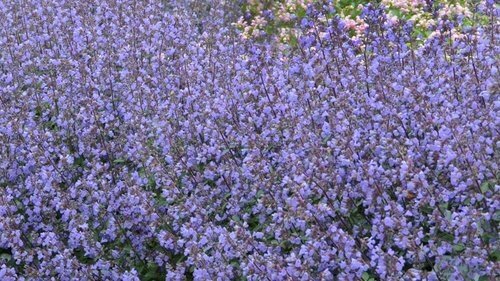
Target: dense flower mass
x,y
261,17
142,140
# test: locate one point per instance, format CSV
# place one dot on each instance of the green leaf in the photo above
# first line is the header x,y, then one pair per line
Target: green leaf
x,y
161,201
151,272
286,246
458,248
80,255
486,186
426,209
177,258
235,262
259,193
5,257
294,42
496,216
79,161
300,12
254,223
494,256
151,182
367,276
119,161
448,237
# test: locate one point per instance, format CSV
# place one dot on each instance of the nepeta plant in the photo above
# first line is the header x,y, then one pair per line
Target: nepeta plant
x,y
143,141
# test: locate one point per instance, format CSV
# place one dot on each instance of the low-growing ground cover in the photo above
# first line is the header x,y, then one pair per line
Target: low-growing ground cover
x,y
154,140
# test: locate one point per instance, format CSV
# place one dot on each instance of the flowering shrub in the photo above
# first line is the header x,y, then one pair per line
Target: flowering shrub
x,y
141,144
281,17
